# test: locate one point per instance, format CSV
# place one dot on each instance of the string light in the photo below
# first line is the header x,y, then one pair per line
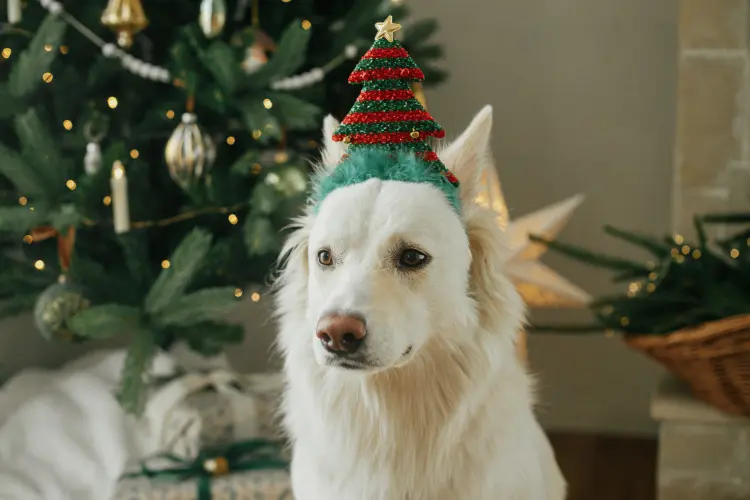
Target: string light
x,y
39,265
685,249
112,102
107,200
608,310
678,239
71,184
679,259
67,125
134,154
607,333
63,49
651,287
47,77
238,292
748,242
257,133
48,48
634,287
165,264
651,264
267,103
256,168
7,52
233,220
675,252
23,201
306,25
624,321
696,254
255,297
281,157
652,276
28,239
230,140
170,114
734,253
286,1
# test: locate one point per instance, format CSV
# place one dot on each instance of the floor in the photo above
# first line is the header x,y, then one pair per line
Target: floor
x,y
607,467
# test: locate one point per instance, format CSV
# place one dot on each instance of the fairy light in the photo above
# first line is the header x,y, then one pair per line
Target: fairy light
x,y
257,133
678,239
134,154
170,114
48,77
286,1
679,259
634,287
238,292
267,103
306,24
281,157
734,253
7,52
39,265
31,209
107,200
272,179
624,321
685,249
28,239
748,242
607,333
71,184
652,276
63,49
697,254
48,48
255,297
231,140
165,264
675,252
607,310
650,287
67,125
23,201
112,102
256,168
233,219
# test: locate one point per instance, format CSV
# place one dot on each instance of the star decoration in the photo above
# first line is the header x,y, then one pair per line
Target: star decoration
x,y
386,29
539,285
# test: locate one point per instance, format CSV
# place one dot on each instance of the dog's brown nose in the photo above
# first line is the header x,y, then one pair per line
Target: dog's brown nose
x,y
341,334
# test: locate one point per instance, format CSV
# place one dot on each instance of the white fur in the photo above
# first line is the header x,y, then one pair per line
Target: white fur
x,y
453,418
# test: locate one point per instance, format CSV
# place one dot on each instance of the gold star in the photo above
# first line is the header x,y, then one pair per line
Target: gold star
x,y
386,29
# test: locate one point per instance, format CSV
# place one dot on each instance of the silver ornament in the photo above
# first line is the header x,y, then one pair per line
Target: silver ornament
x,y
213,17
55,306
190,153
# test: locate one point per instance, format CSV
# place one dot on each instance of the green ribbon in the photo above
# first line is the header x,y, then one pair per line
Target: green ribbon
x,y
253,454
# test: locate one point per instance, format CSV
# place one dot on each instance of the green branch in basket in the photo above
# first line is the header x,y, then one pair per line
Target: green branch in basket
x,y
685,285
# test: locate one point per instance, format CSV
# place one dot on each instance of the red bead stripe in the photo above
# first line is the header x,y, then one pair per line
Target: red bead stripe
x,y
385,53
386,74
385,95
386,137
430,156
386,116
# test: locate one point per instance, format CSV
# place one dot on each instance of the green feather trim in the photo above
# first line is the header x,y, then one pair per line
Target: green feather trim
x,y
374,163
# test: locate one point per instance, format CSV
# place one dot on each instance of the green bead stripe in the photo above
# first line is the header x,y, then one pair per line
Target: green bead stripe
x,y
394,62
382,43
373,106
385,85
416,147
376,128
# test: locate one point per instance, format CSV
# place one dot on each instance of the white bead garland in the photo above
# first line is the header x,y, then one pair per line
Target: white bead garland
x,y
158,74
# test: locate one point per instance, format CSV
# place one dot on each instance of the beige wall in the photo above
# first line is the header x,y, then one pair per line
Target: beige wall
x,y
584,100
584,93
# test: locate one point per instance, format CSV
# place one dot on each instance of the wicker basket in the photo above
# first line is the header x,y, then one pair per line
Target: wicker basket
x,y
713,358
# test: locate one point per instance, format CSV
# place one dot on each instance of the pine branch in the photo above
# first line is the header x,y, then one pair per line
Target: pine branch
x,y
210,304
594,259
420,31
101,322
26,74
132,394
651,244
184,263
220,60
293,112
40,151
25,179
19,219
260,236
289,56
257,117
210,338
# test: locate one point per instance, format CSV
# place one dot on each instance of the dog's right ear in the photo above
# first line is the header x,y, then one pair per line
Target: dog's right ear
x,y
332,150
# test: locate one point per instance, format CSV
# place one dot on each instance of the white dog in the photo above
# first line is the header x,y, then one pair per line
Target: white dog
x,y
428,401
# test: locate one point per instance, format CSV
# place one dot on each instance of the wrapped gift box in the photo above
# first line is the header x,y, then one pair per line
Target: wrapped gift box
x,y
253,485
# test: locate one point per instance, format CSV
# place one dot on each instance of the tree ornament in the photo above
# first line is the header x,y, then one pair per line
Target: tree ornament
x,y
190,153
126,18
55,306
92,160
256,55
213,16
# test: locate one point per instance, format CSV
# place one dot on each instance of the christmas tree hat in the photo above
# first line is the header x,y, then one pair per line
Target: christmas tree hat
x,y
387,129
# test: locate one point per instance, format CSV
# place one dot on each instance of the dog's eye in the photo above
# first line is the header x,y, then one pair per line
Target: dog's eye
x,y
325,258
412,259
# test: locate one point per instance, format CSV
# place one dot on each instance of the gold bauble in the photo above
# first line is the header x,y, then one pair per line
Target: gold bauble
x,y
190,153
126,18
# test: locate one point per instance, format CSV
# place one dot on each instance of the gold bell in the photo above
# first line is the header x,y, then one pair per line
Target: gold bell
x,y
126,18
414,134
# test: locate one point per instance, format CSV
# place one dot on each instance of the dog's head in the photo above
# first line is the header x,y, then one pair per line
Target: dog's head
x,y
381,268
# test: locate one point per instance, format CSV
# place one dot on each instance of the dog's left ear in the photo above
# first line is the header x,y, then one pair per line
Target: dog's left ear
x,y
470,154
332,150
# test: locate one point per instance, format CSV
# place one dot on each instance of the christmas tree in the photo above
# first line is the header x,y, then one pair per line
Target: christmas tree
x,y
151,155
